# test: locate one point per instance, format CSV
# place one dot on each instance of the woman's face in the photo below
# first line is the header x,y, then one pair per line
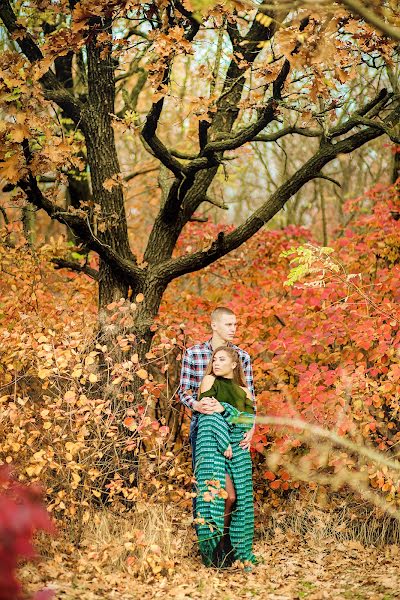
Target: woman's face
x,y
223,364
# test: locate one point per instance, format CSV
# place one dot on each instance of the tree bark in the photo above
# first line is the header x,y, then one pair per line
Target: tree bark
x,y
104,165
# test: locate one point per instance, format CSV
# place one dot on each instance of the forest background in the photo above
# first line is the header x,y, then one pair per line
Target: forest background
x,y
159,159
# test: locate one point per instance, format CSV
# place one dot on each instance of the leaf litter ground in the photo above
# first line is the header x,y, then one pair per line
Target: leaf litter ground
x,y
291,567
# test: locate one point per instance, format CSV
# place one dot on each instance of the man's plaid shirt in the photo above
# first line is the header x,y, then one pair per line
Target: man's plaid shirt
x,y
194,364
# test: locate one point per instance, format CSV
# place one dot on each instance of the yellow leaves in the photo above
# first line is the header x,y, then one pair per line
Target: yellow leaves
x,y
19,132
92,378
114,181
77,372
43,373
73,447
142,373
70,396
89,360
76,479
47,425
13,168
96,493
139,298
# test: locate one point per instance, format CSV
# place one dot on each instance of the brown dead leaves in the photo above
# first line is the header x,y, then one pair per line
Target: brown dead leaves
x,y
291,567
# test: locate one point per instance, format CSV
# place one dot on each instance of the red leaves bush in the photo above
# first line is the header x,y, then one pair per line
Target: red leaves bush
x,y
21,514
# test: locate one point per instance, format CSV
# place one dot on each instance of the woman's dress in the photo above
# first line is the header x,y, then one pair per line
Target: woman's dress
x,y
215,433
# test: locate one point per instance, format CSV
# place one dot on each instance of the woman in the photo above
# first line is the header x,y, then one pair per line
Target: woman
x,y
224,505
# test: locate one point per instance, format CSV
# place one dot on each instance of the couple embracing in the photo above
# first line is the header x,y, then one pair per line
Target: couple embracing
x,y
217,386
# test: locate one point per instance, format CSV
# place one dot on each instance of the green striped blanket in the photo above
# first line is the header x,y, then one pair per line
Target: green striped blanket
x,y
215,433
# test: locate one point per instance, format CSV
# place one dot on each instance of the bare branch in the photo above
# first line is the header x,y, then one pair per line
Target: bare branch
x,y
198,219
54,91
372,18
140,172
334,438
218,203
225,243
158,148
183,155
273,137
80,226
61,263
5,216
322,176
372,107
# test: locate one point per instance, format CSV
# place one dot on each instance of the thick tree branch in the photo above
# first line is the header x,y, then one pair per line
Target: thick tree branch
x,y
194,23
183,155
247,134
158,148
224,244
71,265
149,129
81,227
379,125
54,91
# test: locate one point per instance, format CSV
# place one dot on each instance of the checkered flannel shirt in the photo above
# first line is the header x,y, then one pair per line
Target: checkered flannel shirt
x,y
194,364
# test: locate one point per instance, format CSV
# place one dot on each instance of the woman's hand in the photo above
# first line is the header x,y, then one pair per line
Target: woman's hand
x,y
246,441
218,406
206,405
228,452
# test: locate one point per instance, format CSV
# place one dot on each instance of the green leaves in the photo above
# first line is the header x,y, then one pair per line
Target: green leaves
x,y
306,259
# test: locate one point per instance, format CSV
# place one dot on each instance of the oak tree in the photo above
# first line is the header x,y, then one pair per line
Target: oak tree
x,y
71,79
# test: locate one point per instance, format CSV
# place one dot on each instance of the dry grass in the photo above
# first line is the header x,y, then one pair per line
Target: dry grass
x,y
152,530
151,554
343,519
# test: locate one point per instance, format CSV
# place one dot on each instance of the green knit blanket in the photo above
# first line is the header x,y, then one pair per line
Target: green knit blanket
x,y
215,433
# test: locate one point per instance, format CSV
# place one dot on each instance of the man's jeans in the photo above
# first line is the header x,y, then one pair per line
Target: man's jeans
x,y
194,425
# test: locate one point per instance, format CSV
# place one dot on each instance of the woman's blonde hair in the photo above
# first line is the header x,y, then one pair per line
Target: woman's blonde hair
x,y
238,374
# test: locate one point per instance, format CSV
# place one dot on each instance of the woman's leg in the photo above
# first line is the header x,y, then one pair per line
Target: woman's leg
x,y
229,502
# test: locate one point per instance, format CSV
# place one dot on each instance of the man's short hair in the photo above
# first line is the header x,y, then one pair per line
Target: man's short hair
x,y
219,311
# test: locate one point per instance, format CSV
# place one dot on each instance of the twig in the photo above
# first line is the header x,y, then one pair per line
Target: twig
x,y
333,437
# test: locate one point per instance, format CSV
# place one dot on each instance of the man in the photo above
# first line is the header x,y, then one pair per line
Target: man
x,y
195,361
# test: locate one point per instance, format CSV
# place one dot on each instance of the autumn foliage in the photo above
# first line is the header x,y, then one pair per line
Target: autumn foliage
x,y
324,350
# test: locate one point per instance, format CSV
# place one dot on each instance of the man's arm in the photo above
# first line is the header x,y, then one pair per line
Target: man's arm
x,y
248,372
187,384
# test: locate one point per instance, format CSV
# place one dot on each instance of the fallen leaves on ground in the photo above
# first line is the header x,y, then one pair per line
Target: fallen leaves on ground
x,y
291,567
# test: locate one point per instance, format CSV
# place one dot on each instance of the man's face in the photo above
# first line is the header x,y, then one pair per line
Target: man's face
x,y
225,327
